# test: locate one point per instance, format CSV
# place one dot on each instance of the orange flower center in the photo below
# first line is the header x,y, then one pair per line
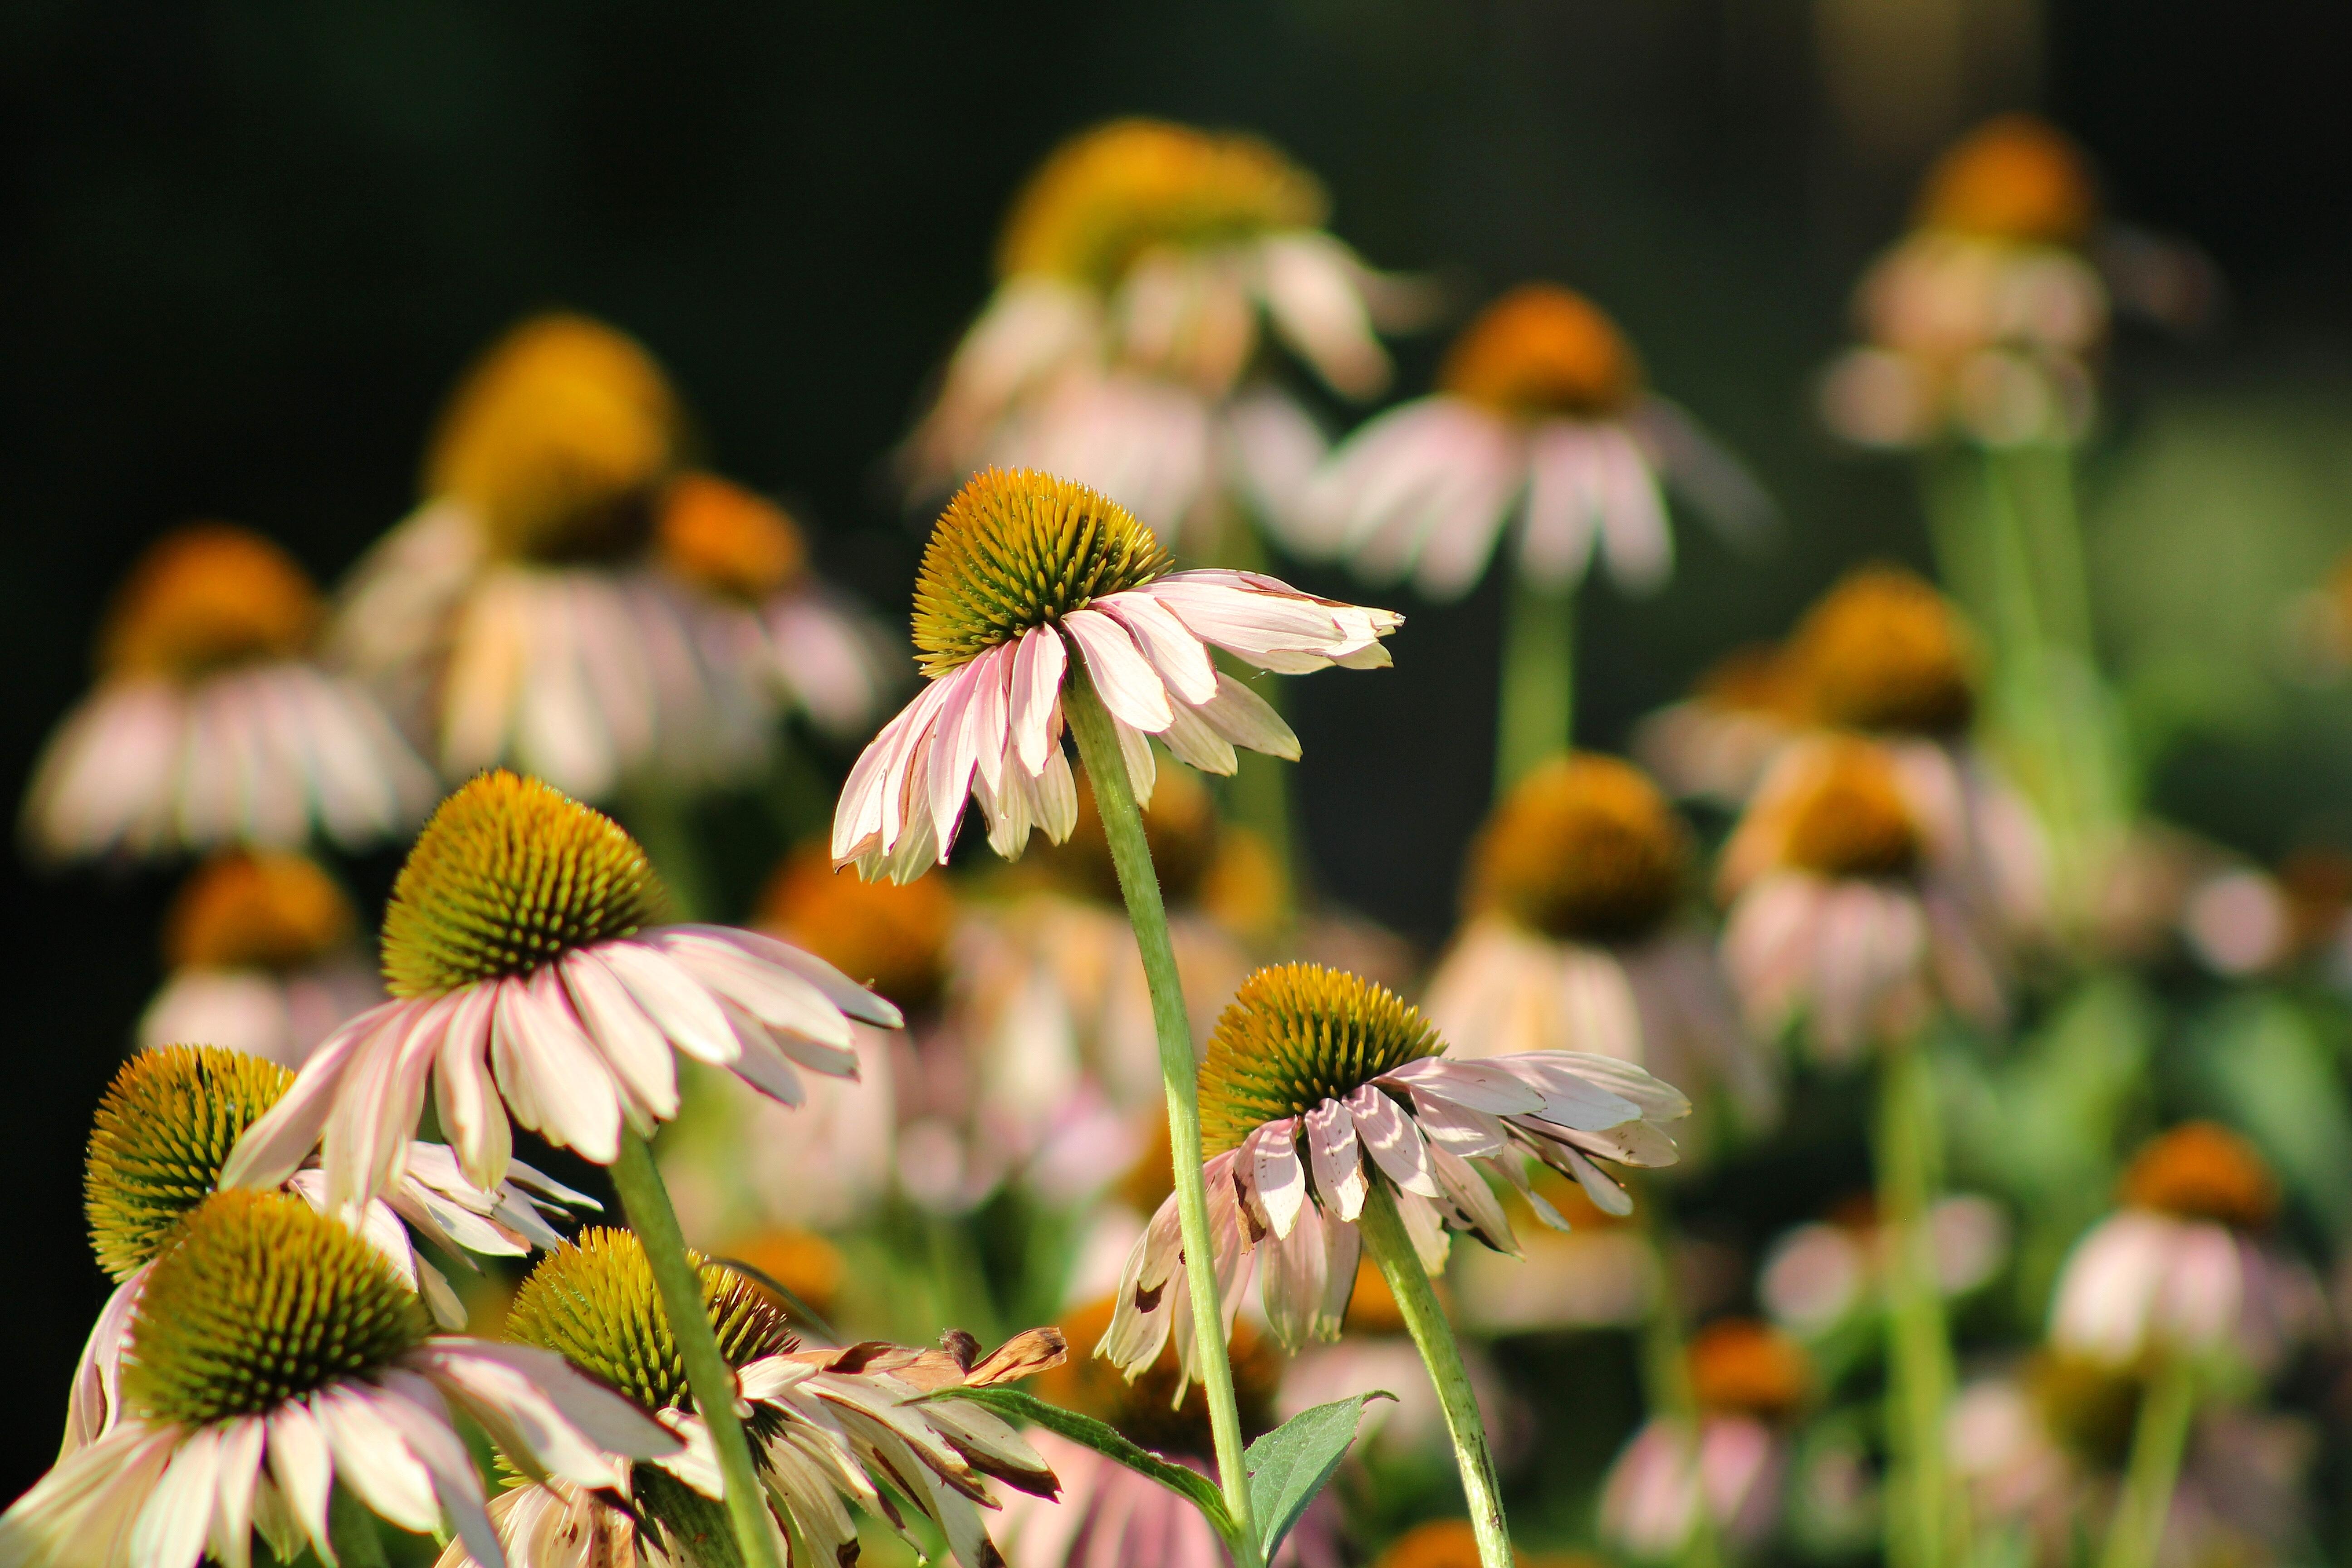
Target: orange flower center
x,y
258,910
1145,1411
2203,1171
558,441
1584,849
1541,350
1756,679
2015,178
892,936
1883,651
1851,819
205,597
722,538
1109,196
1741,1365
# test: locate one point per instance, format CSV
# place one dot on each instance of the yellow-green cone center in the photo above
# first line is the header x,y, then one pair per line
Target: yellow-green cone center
x,y
163,1131
594,1304
1294,1035
510,874
263,1300
1017,549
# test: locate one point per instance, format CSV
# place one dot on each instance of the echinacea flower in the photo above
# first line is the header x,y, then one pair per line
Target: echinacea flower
x,y
1317,1084
157,1146
1022,569
520,615
1816,1278
1572,942
1987,320
1847,909
1714,744
262,956
528,976
1139,271
211,723
1108,1513
760,612
1542,419
1747,1380
275,1355
829,1428
2184,1267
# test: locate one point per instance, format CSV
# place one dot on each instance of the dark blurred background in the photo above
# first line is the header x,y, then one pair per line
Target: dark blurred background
x,y
244,248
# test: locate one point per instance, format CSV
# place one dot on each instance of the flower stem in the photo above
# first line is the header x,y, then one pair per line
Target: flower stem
x,y
1923,1528
638,1182
1399,1264
2158,1442
1538,695
1130,854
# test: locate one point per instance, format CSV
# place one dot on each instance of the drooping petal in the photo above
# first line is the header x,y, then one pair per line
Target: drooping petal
x,y
1332,1155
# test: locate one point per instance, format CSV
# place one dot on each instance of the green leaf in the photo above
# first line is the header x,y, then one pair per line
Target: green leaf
x,y
1289,1465
1191,1485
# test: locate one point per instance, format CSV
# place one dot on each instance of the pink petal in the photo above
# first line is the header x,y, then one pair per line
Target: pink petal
x,y
1123,677
1331,1152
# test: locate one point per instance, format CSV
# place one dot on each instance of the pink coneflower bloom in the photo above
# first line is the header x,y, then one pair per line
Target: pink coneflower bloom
x,y
1747,1380
1020,569
1572,941
2183,1266
162,1132
829,1428
1851,907
1316,1084
528,976
1987,320
1139,271
761,612
211,725
1714,744
1108,1514
521,614
275,1354
1541,418
262,956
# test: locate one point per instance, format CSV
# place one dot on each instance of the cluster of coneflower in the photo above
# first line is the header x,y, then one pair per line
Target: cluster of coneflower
x,y
577,614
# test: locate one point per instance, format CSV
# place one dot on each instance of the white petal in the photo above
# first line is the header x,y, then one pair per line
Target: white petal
x,y
1332,1153
1123,677
1388,1135
1276,1176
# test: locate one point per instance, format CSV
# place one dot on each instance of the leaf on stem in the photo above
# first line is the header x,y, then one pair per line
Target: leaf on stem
x,y
1289,1465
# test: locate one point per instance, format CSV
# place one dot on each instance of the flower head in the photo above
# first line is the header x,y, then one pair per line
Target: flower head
x,y
526,977
1584,849
829,1428
2203,1171
1544,351
1318,1083
1542,425
209,596
1022,569
727,541
2016,177
156,1147
1740,1365
1884,651
274,1352
1114,194
557,441
257,910
210,725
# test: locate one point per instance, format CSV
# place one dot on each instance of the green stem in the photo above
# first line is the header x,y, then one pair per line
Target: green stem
x,y
2160,1440
1924,1529
1131,856
1538,704
1665,1372
1399,1264
638,1182
2043,480
354,1531
1952,485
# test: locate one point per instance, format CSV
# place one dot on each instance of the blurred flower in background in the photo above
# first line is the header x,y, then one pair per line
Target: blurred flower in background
x,y
1541,415
262,953
212,723
1140,272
